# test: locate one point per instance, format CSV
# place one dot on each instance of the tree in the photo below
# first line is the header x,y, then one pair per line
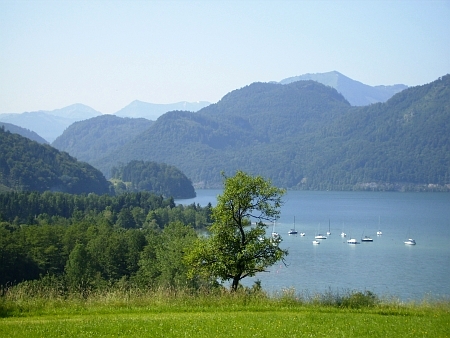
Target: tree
x,y
237,246
174,240
79,271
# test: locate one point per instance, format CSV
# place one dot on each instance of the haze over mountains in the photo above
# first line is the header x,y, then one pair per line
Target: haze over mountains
x,y
51,124
22,131
303,135
152,111
357,93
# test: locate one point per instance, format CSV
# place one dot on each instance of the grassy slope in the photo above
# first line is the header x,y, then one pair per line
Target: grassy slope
x,y
315,322
224,316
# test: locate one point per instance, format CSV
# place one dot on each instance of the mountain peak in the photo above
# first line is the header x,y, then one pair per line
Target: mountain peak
x,y
357,93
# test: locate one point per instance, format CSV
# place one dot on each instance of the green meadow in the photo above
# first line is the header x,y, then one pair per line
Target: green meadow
x,y
245,313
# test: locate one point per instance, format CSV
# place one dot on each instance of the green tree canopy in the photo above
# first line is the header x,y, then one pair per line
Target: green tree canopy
x,y
237,246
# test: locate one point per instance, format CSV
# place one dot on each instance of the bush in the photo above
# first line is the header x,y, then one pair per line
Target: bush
x,y
358,300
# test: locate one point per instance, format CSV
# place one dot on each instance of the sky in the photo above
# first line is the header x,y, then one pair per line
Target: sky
x,y
106,54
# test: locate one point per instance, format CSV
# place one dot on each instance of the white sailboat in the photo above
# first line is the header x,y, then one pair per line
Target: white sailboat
x,y
329,229
275,235
293,231
379,233
319,235
343,234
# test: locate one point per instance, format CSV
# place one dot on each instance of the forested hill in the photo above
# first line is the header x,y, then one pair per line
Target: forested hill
x,y
94,138
357,93
23,131
401,144
26,165
305,135
242,131
158,178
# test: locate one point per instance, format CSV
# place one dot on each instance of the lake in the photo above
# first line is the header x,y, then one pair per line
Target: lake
x,y
385,266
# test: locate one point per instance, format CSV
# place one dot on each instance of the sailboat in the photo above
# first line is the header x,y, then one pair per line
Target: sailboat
x,y
379,233
329,230
343,234
275,235
319,235
293,231
366,239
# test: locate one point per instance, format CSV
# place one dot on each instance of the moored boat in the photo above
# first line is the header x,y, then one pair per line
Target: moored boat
x,y
410,241
352,241
293,231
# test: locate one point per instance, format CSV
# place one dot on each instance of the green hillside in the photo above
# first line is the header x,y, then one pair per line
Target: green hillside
x,y
238,131
158,178
91,139
305,135
26,165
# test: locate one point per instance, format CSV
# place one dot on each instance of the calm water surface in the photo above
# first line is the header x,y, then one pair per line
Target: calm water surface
x,y
386,266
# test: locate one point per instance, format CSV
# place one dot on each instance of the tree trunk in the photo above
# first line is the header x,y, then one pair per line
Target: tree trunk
x,y
235,284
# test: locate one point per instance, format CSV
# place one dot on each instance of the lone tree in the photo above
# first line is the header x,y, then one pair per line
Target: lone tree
x,y
237,246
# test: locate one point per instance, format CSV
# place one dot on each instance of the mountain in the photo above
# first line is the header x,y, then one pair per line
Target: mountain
x,y
76,112
152,111
95,137
26,165
357,93
158,178
50,124
305,135
23,132
242,129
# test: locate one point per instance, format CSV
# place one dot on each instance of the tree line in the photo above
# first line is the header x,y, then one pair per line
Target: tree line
x,y
93,240
141,239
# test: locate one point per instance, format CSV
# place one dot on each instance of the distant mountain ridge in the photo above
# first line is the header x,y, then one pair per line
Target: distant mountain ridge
x,y
152,111
50,124
305,135
23,132
357,93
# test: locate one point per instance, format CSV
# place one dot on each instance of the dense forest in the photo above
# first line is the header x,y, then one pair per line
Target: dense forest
x,y
89,241
91,139
158,178
304,135
28,165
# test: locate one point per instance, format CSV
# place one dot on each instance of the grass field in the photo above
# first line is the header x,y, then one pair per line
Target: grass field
x,y
174,314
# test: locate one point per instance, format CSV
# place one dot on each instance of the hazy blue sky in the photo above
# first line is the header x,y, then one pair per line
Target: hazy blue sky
x,y
105,54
